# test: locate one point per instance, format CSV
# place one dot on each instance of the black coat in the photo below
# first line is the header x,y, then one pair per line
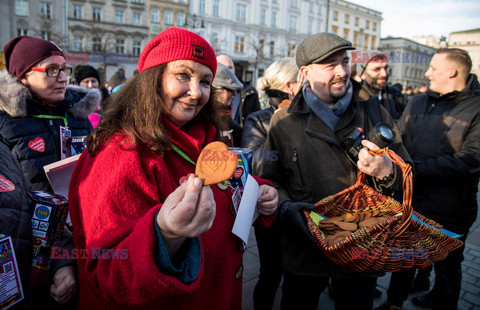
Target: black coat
x,y
249,103
19,129
16,211
442,136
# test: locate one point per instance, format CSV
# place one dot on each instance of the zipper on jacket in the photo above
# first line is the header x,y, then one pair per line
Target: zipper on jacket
x,y
431,108
295,160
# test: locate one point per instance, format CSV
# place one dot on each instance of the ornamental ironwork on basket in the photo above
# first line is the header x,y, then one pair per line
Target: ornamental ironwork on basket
x,y
399,242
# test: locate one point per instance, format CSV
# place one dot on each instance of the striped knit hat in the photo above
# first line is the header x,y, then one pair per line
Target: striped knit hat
x,y
177,44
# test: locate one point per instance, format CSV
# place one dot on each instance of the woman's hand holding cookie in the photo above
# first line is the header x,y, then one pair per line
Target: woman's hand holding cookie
x,y
268,200
187,212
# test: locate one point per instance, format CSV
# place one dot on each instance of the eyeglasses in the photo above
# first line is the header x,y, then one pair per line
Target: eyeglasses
x,y
54,71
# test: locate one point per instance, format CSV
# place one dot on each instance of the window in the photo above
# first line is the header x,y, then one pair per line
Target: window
x,y
309,26
136,48
45,35
366,42
374,26
46,10
119,17
240,12
345,34
214,39
168,17
201,6
239,44
136,19
310,7
137,1
290,50
356,21
372,45
273,22
272,48
367,26
181,19
21,7
335,29
77,43
77,11
215,6
96,44
263,13
96,14
293,23
355,38
155,16
335,15
22,32
347,18
319,10
120,46
261,45
293,3
274,1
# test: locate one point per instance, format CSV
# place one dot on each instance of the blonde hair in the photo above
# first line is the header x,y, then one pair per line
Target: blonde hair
x,y
278,74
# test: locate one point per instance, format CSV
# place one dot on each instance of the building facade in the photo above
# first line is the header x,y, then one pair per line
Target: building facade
x,y
355,23
107,34
255,33
408,61
468,40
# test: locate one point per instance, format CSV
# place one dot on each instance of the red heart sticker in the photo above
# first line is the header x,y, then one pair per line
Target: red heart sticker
x,y
6,185
183,179
37,145
238,173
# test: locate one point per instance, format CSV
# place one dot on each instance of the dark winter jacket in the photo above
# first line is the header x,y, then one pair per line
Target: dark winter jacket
x,y
249,103
35,142
442,135
392,100
256,125
312,165
16,211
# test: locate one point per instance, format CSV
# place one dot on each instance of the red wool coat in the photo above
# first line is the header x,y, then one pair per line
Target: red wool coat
x,y
114,197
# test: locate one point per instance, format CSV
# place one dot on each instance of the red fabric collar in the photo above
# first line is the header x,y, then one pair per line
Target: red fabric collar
x,y
192,139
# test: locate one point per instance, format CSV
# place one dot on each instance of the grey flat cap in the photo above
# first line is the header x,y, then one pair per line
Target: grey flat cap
x,y
226,79
319,46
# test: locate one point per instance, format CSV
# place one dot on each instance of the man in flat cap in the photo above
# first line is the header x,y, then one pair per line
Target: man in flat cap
x,y
312,165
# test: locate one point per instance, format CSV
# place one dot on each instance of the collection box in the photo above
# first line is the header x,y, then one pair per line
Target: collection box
x,y
244,167
48,223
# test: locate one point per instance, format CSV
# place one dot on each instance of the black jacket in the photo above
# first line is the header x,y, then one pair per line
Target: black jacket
x,y
256,125
249,103
392,100
19,130
442,136
16,211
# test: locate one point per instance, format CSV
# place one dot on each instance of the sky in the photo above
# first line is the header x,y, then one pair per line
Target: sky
x,y
407,18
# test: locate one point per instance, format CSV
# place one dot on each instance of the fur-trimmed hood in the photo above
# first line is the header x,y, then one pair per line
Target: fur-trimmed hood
x,y
14,97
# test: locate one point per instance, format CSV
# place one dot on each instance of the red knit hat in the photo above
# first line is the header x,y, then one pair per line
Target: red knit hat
x,y
23,52
177,44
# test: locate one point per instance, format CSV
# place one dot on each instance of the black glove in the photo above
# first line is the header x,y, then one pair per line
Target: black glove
x,y
290,214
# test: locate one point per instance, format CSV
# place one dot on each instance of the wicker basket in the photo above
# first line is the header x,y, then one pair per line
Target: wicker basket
x,y
397,243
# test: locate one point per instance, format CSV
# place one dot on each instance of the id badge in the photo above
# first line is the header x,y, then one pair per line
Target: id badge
x,y
65,142
10,286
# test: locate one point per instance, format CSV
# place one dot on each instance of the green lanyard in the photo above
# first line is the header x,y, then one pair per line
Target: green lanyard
x,y
181,153
53,117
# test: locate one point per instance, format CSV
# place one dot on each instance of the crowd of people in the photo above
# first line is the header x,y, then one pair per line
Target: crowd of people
x,y
134,189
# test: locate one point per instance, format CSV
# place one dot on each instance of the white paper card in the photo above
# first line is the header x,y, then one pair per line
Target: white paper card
x,y
247,212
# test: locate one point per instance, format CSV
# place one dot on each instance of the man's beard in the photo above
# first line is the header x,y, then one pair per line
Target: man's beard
x,y
373,82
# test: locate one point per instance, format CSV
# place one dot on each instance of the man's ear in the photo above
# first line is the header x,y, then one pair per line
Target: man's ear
x,y
304,70
453,73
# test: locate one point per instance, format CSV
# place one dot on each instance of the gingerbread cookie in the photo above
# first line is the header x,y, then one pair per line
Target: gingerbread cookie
x,y
216,163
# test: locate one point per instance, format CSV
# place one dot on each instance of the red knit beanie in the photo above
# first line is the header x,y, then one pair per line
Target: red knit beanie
x,y
177,44
23,52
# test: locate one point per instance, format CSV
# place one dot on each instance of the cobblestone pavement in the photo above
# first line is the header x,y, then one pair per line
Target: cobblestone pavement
x,y
469,296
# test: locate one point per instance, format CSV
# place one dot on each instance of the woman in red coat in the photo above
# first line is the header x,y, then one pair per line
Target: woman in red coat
x,y
148,234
